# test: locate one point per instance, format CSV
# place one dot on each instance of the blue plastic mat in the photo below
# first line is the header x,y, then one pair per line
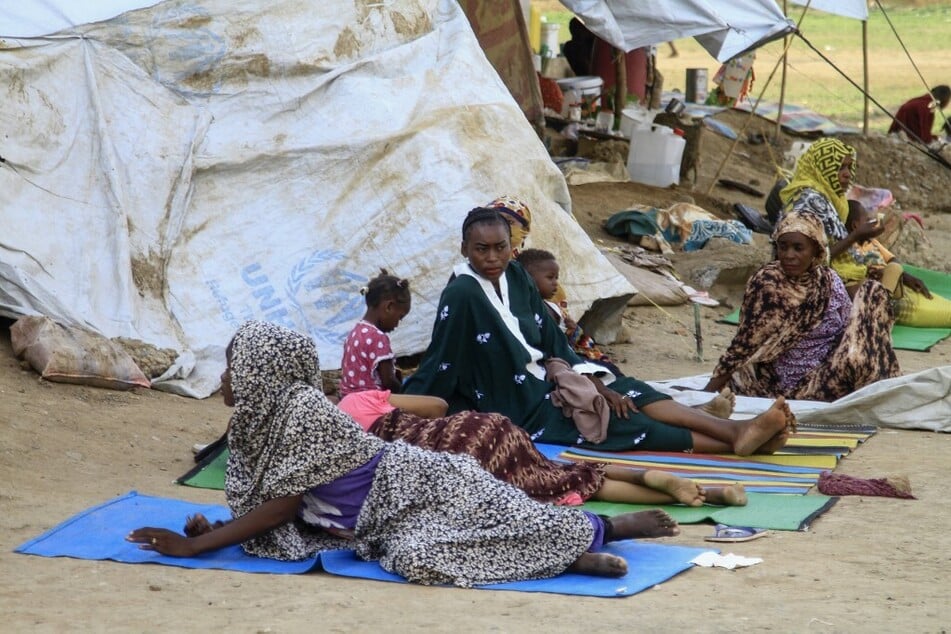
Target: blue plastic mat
x,y
648,564
99,533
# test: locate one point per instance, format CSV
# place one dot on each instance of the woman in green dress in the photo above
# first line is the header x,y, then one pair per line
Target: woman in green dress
x,y
492,335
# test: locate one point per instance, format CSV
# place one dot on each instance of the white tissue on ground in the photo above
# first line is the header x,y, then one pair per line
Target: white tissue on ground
x,y
730,561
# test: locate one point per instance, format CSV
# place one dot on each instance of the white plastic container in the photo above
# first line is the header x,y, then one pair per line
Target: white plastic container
x,y
655,155
550,47
589,87
636,118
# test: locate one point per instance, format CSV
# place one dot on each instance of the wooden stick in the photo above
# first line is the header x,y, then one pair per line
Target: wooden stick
x,y
620,86
865,76
749,119
782,80
696,331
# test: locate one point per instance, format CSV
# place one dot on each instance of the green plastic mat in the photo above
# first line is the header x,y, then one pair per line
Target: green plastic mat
x,y
763,510
209,473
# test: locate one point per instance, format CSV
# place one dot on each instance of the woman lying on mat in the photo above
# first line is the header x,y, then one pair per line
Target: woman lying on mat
x,y
913,303
800,335
492,331
300,467
508,453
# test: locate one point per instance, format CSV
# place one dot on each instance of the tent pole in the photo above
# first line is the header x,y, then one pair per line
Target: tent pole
x,y
782,81
620,85
762,92
865,76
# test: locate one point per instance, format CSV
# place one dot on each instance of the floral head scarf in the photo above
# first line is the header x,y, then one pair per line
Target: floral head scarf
x,y
808,225
519,217
818,169
284,437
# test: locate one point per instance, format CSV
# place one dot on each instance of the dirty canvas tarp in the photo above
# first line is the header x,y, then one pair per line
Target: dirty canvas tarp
x,y
177,169
914,401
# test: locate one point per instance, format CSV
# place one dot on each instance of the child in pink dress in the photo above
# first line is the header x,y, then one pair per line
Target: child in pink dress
x,y
370,382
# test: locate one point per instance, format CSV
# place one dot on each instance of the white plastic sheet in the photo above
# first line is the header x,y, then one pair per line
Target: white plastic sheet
x,y
184,167
725,28
921,400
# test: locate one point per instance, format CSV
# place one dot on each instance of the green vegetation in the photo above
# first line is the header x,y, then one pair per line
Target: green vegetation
x,y
813,83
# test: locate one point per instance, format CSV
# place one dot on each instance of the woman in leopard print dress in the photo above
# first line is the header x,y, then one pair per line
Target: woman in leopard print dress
x,y
300,470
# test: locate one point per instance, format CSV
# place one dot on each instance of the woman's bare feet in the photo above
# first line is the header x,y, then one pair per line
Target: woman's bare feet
x,y
720,405
599,565
774,444
779,440
681,489
759,430
652,523
733,495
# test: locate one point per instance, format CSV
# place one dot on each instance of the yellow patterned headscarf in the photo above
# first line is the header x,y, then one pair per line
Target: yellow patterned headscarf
x,y
519,217
818,169
808,225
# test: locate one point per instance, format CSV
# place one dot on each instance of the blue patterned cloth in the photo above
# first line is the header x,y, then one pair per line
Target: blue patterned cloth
x,y
702,230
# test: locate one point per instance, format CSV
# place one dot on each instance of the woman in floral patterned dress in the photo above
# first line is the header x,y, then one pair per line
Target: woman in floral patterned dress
x,y
303,477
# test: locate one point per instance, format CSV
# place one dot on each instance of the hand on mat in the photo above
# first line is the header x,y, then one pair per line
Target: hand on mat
x,y
198,524
163,541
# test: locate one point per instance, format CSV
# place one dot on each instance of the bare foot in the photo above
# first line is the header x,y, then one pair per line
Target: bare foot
x,y
757,431
775,443
791,421
681,489
720,405
599,565
733,495
653,523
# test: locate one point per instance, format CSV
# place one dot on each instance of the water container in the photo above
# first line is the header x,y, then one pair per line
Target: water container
x,y
550,47
655,155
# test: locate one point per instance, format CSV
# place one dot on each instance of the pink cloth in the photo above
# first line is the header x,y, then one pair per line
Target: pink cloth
x,y
570,499
366,406
365,347
872,198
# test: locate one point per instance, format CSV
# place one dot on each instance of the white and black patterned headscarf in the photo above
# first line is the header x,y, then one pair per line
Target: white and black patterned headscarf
x,y
285,437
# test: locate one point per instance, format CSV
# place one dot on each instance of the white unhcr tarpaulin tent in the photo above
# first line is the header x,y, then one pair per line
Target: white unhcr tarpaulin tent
x,y
725,28
177,169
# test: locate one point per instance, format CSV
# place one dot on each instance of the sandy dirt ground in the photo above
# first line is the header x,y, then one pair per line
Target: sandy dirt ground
x,y
869,564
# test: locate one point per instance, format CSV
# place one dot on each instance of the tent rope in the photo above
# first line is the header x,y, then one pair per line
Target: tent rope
x,y
918,146
787,42
924,82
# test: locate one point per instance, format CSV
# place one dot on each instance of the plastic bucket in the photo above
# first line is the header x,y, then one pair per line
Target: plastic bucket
x,y
655,155
636,118
589,87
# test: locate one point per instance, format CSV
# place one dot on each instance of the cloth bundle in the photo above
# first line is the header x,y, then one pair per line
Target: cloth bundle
x,y
578,398
841,484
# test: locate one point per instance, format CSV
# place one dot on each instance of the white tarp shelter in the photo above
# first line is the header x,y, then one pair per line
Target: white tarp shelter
x,y
180,167
725,28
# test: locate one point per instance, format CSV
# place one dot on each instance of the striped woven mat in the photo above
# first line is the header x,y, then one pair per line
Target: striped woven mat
x,y
809,452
